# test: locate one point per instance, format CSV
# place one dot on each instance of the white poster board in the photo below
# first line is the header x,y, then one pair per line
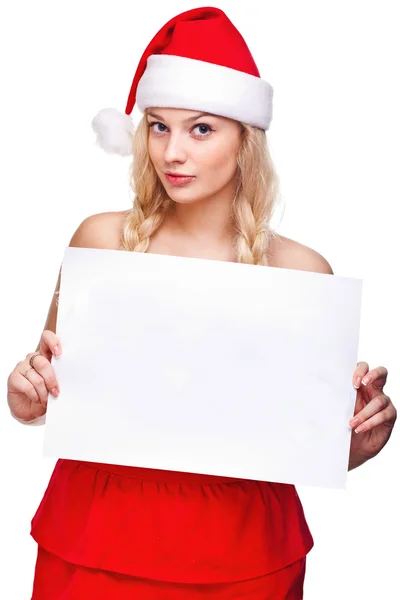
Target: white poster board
x,y
205,366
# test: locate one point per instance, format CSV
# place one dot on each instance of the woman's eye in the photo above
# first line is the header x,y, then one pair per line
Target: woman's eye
x,y
151,125
204,129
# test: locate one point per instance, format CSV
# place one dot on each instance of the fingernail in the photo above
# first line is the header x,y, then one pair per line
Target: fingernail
x,y
357,382
366,380
54,392
57,352
355,422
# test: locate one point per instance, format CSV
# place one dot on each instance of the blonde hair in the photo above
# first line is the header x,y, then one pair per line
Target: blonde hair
x,y
256,197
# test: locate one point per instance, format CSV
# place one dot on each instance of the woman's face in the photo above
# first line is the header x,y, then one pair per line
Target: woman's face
x,y
192,143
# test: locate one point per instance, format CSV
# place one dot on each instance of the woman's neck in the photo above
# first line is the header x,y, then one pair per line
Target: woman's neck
x,y
208,220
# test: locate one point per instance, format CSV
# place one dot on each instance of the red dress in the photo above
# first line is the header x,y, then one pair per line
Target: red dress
x,y
108,531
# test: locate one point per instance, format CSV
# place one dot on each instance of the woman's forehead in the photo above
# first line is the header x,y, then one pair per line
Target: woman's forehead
x,y
180,114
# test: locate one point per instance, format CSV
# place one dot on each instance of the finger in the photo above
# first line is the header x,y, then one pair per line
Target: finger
x,y
376,377
50,345
21,384
384,416
43,367
377,404
38,383
360,371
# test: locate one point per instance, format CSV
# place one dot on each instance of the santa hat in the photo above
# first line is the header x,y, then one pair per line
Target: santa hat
x,y
197,61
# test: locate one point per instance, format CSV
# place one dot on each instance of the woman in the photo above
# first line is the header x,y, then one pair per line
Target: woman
x,y
205,187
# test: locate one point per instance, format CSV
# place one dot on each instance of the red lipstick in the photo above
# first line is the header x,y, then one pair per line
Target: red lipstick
x,y
179,178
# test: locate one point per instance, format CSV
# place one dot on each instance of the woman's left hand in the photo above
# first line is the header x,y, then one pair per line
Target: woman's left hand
x,y
374,414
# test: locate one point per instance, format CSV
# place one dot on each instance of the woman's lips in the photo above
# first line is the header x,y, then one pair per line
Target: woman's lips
x,y
178,179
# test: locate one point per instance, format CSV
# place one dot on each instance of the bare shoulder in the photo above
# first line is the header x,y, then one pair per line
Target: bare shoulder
x,y
102,230
289,254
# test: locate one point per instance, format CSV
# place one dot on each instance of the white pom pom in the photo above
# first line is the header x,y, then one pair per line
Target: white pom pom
x,y
114,131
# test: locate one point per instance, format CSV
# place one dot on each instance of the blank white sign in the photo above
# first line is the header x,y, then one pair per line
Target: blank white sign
x,y
205,366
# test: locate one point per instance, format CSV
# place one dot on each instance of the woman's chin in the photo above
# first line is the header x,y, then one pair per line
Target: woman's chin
x,y
181,196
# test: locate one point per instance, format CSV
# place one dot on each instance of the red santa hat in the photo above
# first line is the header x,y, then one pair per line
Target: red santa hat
x,y
197,61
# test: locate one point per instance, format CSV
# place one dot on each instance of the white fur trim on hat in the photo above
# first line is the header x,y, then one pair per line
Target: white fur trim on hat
x,y
114,131
179,82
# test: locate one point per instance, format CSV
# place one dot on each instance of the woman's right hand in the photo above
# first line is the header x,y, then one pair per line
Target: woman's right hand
x,y
28,387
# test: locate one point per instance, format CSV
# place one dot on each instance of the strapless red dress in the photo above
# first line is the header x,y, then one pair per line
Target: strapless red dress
x,y
115,532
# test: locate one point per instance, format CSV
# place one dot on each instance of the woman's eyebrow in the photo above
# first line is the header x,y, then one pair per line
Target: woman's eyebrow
x,y
201,114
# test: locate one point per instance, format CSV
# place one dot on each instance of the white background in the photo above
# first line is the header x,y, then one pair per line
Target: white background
x,y
334,139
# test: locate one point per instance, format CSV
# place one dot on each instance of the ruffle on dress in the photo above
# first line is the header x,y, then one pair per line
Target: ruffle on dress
x,y
56,579
169,526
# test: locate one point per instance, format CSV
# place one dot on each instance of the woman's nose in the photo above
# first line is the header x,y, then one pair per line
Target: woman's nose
x,y
175,150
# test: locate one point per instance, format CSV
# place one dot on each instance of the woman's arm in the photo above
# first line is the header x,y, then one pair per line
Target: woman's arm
x,y
96,231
